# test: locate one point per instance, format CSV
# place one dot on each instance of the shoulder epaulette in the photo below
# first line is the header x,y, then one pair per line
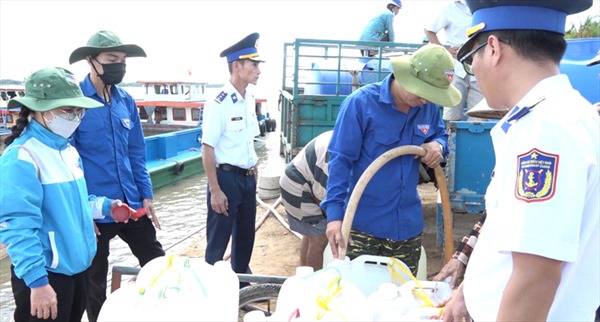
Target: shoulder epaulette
x,y
219,99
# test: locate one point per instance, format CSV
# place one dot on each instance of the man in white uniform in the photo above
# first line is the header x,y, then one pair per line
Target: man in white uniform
x,y
538,255
229,159
454,19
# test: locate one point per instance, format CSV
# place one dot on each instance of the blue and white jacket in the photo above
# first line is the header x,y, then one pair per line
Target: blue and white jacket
x,y
46,215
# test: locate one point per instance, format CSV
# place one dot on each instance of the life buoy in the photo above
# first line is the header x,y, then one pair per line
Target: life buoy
x,y
179,168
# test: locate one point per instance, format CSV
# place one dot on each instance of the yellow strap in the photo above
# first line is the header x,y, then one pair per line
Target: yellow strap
x,y
323,302
420,293
142,289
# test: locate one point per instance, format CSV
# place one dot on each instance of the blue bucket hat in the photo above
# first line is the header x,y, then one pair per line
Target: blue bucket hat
x,y
547,15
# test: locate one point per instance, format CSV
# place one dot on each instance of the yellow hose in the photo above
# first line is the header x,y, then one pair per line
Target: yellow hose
x,y
370,172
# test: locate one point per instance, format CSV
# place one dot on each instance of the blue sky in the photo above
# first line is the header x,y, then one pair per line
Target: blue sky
x,y
190,34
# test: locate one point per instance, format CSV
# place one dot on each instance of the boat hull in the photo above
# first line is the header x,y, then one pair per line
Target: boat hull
x,y
173,156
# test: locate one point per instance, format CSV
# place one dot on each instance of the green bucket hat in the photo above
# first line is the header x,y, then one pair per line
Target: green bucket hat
x,y
104,41
50,88
428,73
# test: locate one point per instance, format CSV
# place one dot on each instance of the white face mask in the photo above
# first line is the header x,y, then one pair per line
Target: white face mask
x,y
64,124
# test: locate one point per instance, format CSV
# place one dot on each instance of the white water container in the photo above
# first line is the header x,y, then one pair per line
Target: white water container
x,y
173,288
367,272
255,316
421,269
225,293
387,304
437,291
292,290
331,297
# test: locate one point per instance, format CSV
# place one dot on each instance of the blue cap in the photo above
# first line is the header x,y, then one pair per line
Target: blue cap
x,y
246,48
547,15
396,3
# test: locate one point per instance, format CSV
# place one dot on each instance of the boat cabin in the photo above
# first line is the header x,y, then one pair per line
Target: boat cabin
x,y
9,117
172,103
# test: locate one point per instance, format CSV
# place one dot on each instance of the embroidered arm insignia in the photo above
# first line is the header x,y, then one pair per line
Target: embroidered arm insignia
x,y
536,176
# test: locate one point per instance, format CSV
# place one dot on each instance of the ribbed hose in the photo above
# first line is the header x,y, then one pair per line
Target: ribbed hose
x,y
370,172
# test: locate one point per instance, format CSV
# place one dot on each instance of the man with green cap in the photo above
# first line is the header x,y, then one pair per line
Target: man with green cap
x,y
46,211
403,109
111,143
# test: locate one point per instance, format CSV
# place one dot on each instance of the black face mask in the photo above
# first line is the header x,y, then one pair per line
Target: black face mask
x,y
113,73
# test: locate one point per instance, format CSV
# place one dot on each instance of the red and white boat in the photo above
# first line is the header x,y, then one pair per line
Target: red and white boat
x,y
180,103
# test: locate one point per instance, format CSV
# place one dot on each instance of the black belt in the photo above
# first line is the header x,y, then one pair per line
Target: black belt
x,y
238,170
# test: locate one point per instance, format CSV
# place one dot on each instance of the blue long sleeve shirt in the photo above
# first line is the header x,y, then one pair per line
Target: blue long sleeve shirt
x,y
46,212
111,143
368,125
375,29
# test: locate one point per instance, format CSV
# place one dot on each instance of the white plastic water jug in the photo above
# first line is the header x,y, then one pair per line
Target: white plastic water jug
x,y
421,268
387,304
367,272
173,288
224,292
292,290
331,297
323,295
435,291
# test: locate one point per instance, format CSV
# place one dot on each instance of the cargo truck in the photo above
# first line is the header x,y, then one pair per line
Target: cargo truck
x,y
319,74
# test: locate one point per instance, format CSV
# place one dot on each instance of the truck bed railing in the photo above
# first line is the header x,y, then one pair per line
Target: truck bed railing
x,y
318,74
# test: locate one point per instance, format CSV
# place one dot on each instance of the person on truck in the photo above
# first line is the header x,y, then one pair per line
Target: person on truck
x,y
381,27
537,257
403,109
303,187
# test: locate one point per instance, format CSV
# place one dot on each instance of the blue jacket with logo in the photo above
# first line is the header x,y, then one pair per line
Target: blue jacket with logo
x,y
111,143
368,125
46,213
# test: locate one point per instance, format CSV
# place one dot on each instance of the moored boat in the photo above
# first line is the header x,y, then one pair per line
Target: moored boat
x,y
175,105
174,156
172,102
9,117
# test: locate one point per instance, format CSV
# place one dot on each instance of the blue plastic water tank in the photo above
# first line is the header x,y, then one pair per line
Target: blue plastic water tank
x,y
325,73
369,74
586,79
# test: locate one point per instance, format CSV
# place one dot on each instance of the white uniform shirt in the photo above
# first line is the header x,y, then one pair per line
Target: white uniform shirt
x,y
544,200
455,19
230,125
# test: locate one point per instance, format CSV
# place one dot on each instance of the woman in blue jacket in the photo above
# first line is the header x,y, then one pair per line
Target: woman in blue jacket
x,y
46,218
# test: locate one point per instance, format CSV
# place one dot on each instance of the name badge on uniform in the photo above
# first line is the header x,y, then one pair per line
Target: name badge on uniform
x,y
237,118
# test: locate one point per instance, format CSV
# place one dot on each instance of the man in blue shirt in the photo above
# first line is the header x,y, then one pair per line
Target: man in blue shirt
x,y
403,109
381,27
111,143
